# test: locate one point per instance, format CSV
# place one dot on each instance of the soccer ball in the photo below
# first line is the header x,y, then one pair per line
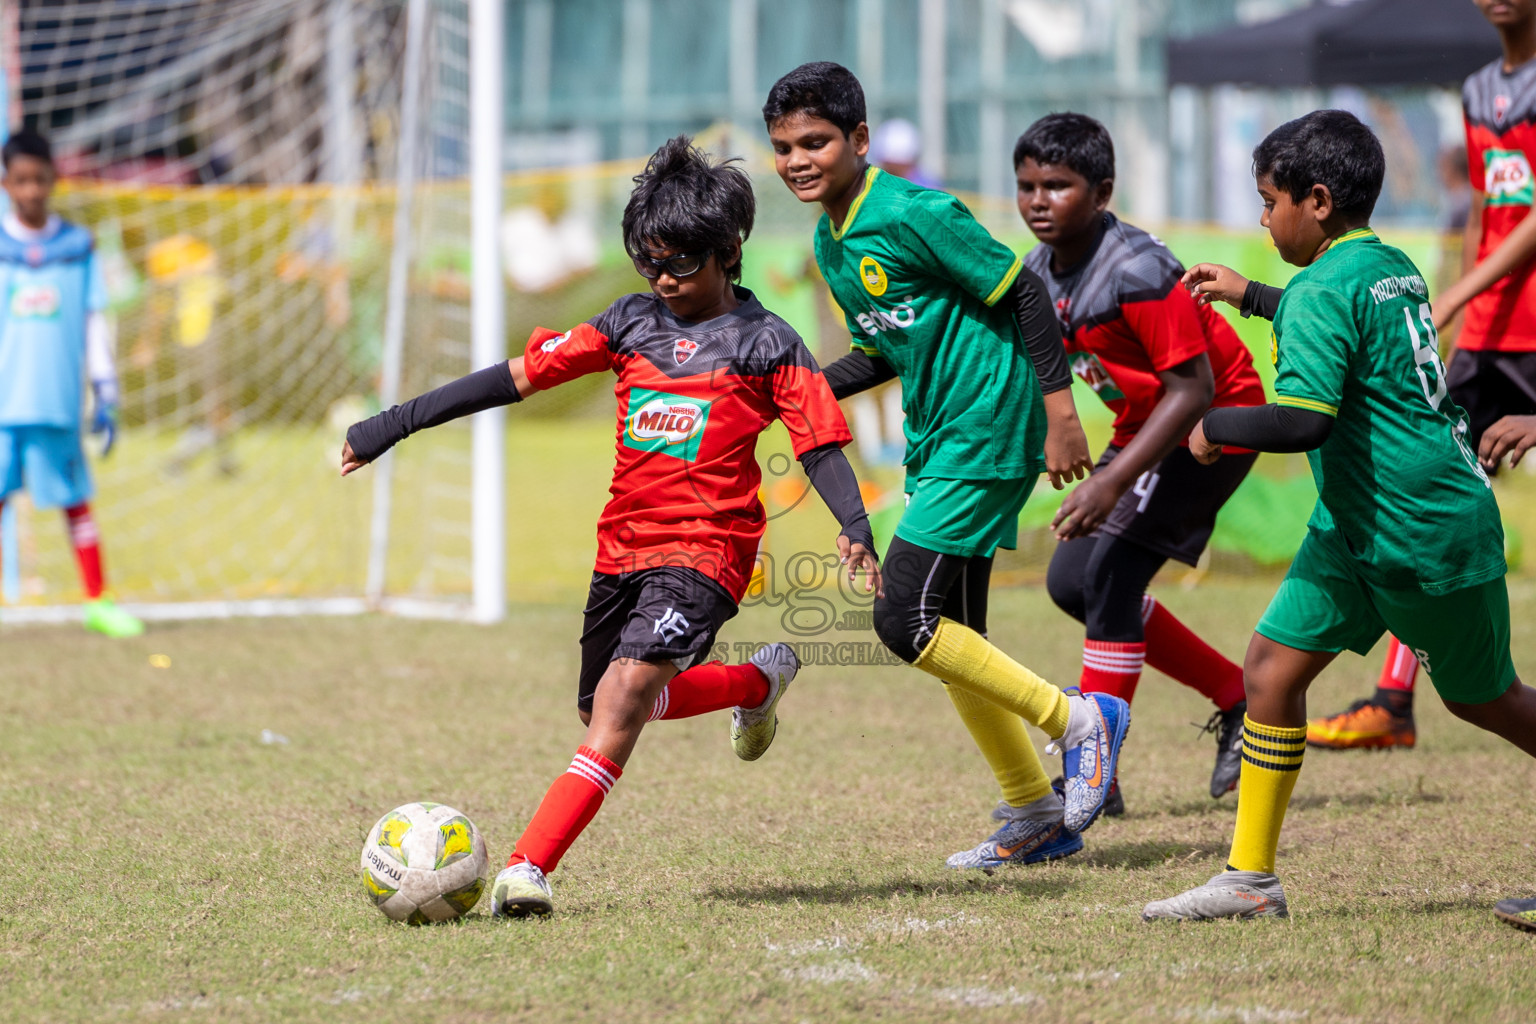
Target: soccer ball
x,y
424,862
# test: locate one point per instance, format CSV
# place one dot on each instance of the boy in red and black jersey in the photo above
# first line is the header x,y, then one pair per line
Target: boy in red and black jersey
x,y
702,370
1492,373
1134,335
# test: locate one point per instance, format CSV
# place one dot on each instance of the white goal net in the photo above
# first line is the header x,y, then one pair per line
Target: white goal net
x,y
239,162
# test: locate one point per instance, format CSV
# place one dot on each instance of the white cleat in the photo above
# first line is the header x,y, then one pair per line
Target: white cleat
x,y
753,729
521,890
1229,894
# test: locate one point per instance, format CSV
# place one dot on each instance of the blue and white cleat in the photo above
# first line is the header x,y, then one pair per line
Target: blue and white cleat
x,y
1019,841
1090,747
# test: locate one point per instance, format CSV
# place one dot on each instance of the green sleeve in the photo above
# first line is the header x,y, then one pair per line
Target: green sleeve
x,y
1315,338
942,238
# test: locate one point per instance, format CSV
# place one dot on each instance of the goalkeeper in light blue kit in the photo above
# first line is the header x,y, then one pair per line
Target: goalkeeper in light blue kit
x,y
53,334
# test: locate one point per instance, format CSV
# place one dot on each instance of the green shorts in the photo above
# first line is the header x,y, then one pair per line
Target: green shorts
x,y
964,517
1461,638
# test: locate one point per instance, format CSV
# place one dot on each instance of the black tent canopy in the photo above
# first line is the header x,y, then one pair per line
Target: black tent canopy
x,y
1366,42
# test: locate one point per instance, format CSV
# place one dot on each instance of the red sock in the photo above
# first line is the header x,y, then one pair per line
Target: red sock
x,y
567,808
87,544
1400,670
1174,650
710,687
1112,668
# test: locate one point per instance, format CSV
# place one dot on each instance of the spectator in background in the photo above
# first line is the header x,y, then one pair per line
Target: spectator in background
x,y
896,147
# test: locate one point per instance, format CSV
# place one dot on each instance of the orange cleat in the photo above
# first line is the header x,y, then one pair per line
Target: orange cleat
x,y
1364,725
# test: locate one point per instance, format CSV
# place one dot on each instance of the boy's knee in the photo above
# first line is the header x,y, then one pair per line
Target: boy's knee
x,y
895,629
1065,586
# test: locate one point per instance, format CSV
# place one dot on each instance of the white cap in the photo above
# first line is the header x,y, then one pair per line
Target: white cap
x,y
896,142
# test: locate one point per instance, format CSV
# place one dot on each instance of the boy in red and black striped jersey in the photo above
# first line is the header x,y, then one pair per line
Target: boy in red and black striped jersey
x,y
1493,371
1135,336
702,370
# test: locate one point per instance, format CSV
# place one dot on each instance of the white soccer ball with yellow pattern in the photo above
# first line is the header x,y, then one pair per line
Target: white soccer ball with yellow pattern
x,y
424,862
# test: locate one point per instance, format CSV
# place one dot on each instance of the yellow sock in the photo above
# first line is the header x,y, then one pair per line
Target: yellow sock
x,y
1000,736
962,657
1271,762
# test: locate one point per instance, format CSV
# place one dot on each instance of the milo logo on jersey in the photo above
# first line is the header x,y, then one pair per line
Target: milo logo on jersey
x,y
1507,177
34,302
670,424
1087,366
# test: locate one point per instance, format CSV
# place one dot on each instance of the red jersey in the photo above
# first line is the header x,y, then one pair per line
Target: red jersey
x,y
1500,111
692,399
1125,318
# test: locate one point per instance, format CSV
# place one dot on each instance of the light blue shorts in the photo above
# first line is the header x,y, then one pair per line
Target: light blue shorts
x,y
48,461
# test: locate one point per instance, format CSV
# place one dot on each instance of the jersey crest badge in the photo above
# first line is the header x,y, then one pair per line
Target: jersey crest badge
x,y
683,350
873,276
1500,108
35,255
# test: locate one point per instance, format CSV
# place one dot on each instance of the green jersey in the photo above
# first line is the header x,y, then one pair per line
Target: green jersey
x,y
919,282
1396,481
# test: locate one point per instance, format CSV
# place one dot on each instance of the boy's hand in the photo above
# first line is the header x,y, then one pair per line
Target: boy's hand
x,y
1204,452
1512,436
1210,281
857,557
349,462
1086,508
1066,446
104,421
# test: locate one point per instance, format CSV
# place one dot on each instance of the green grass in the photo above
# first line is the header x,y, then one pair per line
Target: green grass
x,y
160,862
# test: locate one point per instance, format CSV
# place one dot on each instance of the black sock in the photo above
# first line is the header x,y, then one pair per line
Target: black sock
x,y
1399,702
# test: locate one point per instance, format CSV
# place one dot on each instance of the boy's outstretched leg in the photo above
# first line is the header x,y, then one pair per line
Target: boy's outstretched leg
x,y
1274,740
623,702
1384,719
101,614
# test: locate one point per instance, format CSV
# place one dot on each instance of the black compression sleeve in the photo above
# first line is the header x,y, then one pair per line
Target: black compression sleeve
x,y
857,371
1268,428
481,390
1261,300
1042,333
833,479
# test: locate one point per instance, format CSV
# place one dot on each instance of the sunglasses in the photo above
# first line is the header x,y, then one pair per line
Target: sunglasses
x,y
682,265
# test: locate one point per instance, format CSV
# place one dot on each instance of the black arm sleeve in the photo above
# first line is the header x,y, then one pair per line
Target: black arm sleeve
x,y
1261,300
833,479
481,390
1042,333
857,371
1268,428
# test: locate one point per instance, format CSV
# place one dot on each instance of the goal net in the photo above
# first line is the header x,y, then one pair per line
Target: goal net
x,y
240,163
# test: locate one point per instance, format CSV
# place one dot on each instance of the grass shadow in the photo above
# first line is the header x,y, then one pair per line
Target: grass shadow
x,y
1313,801
1020,882
1151,853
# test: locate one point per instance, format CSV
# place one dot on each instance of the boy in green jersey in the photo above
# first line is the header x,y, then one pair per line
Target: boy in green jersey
x,y
930,297
1361,389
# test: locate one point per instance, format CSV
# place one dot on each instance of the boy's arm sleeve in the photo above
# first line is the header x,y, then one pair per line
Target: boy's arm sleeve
x,y
857,371
100,366
96,297
804,401
481,390
1041,331
1267,428
942,238
1315,337
829,472
1261,300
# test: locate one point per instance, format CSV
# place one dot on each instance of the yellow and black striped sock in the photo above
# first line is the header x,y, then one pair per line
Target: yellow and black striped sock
x,y
1271,761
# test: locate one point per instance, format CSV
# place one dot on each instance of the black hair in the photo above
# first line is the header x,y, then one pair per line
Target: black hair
x,y
1325,147
821,89
684,200
1071,140
27,142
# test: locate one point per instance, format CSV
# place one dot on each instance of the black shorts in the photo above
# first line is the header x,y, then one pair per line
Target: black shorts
x,y
669,613
1490,386
1171,509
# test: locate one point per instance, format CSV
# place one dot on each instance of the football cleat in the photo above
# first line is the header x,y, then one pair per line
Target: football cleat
x,y
1114,804
1228,727
753,729
1229,894
1520,913
1363,725
521,890
1090,750
1019,841
106,618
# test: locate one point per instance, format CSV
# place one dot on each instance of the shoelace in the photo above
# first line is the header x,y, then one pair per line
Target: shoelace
x,y
1227,727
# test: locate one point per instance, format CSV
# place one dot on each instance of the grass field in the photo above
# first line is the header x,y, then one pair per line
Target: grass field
x,y
161,862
